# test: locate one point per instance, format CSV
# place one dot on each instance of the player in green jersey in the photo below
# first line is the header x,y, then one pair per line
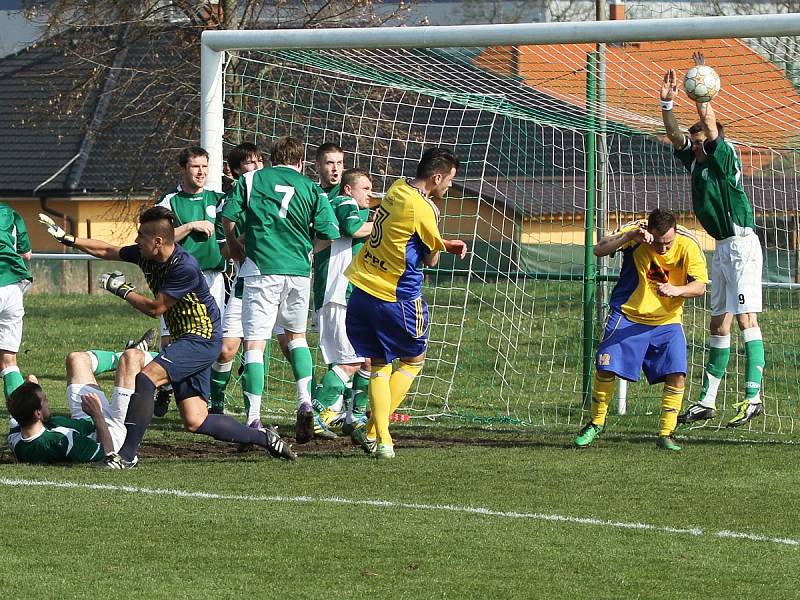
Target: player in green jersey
x,y
279,206
15,278
95,427
195,210
348,376
723,209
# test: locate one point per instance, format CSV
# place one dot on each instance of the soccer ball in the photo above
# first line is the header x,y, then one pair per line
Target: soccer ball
x,y
701,83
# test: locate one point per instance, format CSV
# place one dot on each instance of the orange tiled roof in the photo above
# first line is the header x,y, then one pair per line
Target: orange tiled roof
x,y
758,105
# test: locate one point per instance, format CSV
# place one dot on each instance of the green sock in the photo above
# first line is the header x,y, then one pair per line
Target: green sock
x,y
12,379
330,389
754,363
220,376
253,380
303,369
106,361
360,391
718,357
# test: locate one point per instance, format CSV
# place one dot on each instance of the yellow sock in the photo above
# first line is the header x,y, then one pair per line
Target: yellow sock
x,y
380,399
671,401
602,392
401,381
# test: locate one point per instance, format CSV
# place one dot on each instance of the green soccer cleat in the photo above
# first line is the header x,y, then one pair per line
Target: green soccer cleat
x,y
745,411
586,435
384,451
359,437
666,442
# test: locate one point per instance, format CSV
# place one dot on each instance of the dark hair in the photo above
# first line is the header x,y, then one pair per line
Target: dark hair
x,y
24,401
161,221
190,152
698,127
241,153
436,160
350,177
661,220
286,151
328,147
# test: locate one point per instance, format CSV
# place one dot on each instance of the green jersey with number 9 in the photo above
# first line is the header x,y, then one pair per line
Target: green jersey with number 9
x,y
282,210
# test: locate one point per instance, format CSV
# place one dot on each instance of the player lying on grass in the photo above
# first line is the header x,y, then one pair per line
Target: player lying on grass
x,y
182,296
662,265
95,427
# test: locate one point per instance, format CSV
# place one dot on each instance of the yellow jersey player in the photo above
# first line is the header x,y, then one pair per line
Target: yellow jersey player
x,y
662,265
387,317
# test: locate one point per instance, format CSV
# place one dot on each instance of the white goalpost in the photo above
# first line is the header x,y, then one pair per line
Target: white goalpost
x,y
559,132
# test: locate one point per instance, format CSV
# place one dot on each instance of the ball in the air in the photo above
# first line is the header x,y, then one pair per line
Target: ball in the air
x,y
701,83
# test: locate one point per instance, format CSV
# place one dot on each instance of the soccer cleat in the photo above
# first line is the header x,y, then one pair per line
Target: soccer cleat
x,y
697,412
359,437
586,435
256,424
745,411
384,451
115,461
276,447
359,420
332,417
321,429
304,426
667,442
161,405
148,340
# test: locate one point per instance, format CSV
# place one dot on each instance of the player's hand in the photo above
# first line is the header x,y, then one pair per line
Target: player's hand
x,y
31,378
640,235
204,227
115,283
667,289
698,58
92,405
59,234
669,88
457,247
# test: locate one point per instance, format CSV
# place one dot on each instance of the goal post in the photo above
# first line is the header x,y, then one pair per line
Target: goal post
x,y
560,136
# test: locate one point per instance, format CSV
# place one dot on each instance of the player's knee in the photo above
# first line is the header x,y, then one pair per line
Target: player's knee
x,y
132,358
192,423
77,359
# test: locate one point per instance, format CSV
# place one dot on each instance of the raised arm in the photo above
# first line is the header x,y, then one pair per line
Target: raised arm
x,y
704,110
611,243
96,248
669,92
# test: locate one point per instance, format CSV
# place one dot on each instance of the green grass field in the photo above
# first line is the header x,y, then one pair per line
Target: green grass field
x,y
466,510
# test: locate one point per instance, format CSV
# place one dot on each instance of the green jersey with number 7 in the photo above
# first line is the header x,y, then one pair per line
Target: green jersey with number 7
x,y
282,210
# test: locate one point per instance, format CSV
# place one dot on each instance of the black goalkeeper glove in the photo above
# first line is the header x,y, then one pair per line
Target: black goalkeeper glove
x,y
115,283
61,236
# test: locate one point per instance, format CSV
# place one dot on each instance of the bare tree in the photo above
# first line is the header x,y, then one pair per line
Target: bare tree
x,y
137,64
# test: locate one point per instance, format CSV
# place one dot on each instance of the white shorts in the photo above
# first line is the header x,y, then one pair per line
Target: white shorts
x,y
736,276
333,341
216,285
232,319
11,313
114,414
274,299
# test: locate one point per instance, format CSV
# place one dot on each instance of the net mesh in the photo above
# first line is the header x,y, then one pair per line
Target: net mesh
x,y
507,323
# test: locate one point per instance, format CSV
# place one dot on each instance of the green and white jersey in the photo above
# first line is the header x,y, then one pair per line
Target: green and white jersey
x,y
61,440
197,207
330,284
13,241
282,208
333,191
718,197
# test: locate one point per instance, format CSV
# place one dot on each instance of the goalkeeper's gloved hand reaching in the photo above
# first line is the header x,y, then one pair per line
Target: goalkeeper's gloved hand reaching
x,y
115,283
61,236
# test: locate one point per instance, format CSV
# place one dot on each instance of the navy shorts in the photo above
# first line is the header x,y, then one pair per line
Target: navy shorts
x,y
187,362
627,348
387,330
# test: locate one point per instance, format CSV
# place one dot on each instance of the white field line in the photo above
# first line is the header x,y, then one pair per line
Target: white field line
x,y
469,510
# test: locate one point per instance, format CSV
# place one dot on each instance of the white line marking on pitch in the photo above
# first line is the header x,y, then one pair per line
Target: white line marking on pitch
x,y
471,510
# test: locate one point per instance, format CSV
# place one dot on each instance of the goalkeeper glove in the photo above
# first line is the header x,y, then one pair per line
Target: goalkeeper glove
x,y
115,283
56,231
